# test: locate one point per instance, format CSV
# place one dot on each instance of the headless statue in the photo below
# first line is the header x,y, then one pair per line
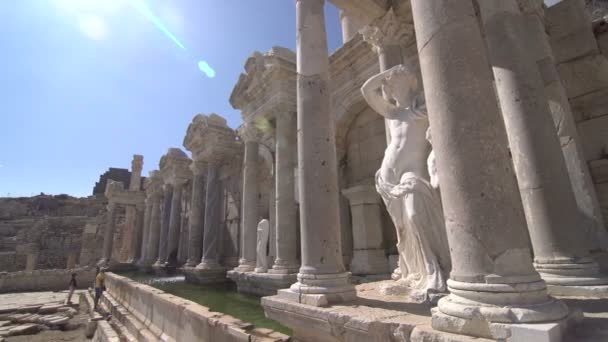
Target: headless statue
x,y
262,246
403,182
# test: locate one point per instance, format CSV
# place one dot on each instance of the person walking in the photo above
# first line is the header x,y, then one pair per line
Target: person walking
x,y
100,286
72,286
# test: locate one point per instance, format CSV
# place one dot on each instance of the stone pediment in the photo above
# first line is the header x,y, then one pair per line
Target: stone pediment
x,y
175,165
268,85
209,138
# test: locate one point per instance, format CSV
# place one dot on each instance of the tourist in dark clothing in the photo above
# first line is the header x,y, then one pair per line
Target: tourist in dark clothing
x,y
72,285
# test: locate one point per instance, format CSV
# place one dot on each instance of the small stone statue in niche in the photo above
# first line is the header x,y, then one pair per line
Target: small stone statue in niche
x,y
262,247
411,198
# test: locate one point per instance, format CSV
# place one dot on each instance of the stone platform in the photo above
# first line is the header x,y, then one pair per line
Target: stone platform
x,y
261,284
376,317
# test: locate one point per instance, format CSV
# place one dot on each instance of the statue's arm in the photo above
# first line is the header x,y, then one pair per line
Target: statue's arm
x,y
372,93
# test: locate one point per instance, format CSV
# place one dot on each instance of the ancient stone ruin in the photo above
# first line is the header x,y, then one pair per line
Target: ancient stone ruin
x,y
442,176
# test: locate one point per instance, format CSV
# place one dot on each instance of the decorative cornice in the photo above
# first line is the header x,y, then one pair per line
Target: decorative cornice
x,y
174,166
210,139
268,85
388,30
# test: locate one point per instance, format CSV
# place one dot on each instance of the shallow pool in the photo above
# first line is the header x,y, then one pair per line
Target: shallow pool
x,y
220,298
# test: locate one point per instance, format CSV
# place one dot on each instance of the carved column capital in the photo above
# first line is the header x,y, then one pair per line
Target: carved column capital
x,y
198,167
249,132
389,30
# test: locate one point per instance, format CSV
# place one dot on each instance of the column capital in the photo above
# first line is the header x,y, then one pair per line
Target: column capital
x,y
388,30
137,163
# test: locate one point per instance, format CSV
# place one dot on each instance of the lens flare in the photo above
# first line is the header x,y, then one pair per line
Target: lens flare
x,y
206,69
145,10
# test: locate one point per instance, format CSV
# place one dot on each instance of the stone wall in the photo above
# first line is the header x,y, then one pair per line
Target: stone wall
x,y
582,63
45,231
44,280
152,314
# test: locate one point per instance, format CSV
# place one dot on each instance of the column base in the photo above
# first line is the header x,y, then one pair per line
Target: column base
x,y
488,309
205,274
592,291
245,266
284,268
320,289
369,261
564,272
261,284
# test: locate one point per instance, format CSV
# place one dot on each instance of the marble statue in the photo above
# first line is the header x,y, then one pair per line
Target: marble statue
x,y
262,246
411,198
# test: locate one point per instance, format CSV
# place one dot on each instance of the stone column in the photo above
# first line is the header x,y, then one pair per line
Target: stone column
x,y
561,253
492,278
154,229
197,214
580,177
213,210
322,278
108,236
136,167
145,231
163,241
350,26
250,207
136,241
369,255
175,221
285,204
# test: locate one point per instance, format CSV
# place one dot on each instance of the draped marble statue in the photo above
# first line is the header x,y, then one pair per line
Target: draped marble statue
x,y
263,232
403,182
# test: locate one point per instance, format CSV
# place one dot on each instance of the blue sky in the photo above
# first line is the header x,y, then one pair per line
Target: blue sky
x,y
87,83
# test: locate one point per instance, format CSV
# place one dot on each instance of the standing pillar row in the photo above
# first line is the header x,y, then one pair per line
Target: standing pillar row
x,y
152,244
211,236
492,278
145,231
174,222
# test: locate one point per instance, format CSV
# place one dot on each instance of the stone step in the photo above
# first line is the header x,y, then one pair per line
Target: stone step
x,y
24,329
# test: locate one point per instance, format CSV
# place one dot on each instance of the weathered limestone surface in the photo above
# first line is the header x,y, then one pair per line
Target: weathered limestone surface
x,y
492,274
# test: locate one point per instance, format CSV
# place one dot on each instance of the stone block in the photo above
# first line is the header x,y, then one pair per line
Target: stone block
x,y
547,332
24,329
594,137
590,105
575,45
566,17
584,75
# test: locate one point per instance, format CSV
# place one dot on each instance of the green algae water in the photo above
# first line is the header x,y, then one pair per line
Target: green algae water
x,y
221,298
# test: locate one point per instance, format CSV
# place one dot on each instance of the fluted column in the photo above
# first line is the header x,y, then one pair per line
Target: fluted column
x,y
213,208
285,204
561,252
163,241
197,214
145,231
322,278
108,237
250,215
492,278
154,229
175,221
